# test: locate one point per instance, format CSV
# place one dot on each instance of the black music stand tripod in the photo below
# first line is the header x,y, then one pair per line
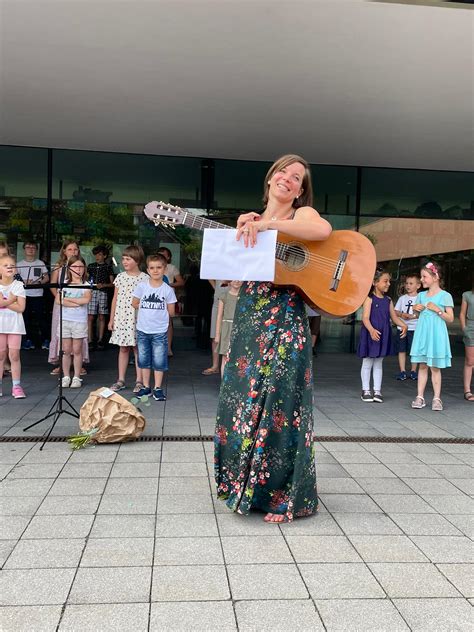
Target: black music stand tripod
x,y
57,409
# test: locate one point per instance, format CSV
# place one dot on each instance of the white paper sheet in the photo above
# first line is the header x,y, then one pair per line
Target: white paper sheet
x,y
225,258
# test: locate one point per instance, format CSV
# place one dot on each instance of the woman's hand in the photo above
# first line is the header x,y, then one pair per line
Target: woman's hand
x,y
250,229
375,335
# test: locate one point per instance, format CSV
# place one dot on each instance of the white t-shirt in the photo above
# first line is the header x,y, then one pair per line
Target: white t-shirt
x,y
153,317
11,322
28,270
405,305
172,272
75,314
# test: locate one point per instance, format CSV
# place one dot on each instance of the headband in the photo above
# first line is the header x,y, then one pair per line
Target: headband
x,y
432,268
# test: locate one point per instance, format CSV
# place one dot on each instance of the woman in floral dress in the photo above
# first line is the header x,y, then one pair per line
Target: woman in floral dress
x,y
264,453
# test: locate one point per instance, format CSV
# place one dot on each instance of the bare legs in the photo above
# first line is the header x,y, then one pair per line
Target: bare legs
x,y
72,348
124,354
146,375
468,365
423,380
214,368
14,356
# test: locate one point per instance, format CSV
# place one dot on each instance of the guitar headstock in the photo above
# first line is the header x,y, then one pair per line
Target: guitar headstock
x,y
162,213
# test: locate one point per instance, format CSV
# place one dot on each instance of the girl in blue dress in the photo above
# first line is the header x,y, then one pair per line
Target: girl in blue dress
x,y
431,346
376,335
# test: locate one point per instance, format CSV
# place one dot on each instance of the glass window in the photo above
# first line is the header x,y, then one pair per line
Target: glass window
x,y
416,193
334,190
23,191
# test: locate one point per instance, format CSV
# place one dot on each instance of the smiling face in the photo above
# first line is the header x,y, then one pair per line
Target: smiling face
x,y
286,184
427,279
71,250
156,270
383,283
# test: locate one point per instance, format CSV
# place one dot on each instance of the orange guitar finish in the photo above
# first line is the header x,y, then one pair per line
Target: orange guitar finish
x,y
314,265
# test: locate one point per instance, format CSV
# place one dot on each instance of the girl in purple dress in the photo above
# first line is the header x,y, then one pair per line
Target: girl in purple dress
x,y
376,335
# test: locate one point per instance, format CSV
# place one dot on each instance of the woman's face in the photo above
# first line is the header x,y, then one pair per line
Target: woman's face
x,y
286,184
71,250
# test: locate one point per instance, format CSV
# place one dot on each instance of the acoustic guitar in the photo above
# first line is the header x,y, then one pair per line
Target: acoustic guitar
x,y
334,276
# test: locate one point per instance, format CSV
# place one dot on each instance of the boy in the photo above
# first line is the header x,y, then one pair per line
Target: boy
x,y
101,275
34,272
155,301
404,310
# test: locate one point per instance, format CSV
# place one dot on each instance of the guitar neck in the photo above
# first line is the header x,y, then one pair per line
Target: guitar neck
x,y
198,222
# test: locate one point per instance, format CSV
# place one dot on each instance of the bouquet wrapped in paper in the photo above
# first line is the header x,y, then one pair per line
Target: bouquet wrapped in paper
x,y
112,418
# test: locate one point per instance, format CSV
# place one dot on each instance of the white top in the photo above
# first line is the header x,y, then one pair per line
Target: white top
x,y
172,272
153,317
75,314
405,305
31,271
11,322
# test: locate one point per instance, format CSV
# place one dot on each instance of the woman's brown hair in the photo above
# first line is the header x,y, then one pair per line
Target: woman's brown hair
x,y
306,197
62,256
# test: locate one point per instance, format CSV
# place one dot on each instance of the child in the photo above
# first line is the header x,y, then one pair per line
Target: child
x,y
225,317
466,318
123,317
431,346
33,271
376,335
12,327
101,275
404,310
74,316
174,280
155,301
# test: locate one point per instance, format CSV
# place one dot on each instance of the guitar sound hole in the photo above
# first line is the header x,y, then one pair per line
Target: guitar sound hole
x,y
296,257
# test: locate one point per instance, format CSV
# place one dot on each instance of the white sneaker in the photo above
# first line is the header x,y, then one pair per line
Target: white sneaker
x,y
66,381
76,382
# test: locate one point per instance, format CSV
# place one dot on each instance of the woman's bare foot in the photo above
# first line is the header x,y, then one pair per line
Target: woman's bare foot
x,y
270,517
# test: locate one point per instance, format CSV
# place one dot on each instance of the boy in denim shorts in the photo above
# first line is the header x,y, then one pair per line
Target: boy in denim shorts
x,y
155,301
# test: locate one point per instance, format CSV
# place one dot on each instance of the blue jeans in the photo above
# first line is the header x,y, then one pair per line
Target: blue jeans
x,y
152,351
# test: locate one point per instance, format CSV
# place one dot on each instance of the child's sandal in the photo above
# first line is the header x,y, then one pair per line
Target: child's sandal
x,y
119,385
436,404
468,396
418,402
137,388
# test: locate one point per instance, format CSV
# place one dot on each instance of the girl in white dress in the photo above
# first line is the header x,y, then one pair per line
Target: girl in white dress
x,y
122,321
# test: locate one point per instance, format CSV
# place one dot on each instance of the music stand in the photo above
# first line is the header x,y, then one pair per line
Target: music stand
x,y
57,408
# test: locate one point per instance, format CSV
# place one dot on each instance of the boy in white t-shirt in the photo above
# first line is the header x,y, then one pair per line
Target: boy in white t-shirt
x,y
34,272
155,301
404,310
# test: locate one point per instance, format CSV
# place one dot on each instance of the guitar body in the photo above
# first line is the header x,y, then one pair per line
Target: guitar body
x,y
334,275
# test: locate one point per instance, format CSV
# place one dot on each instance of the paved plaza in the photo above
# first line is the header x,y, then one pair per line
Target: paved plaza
x,y
130,537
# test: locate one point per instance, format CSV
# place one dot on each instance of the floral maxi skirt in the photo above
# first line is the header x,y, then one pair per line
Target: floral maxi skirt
x,y
264,452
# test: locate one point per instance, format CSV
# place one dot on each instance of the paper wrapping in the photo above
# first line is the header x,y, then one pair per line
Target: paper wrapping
x,y
116,418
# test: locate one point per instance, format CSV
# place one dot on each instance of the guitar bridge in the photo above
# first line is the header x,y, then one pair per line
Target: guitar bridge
x,y
336,277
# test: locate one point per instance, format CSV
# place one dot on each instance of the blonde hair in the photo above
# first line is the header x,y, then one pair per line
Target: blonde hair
x,y
306,197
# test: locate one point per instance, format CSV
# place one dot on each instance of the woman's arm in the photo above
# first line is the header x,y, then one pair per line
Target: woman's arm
x,y
463,314
220,316
54,279
307,224
178,281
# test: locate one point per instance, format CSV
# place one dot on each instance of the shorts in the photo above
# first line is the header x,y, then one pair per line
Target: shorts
x,y
152,351
73,329
99,303
403,345
468,337
10,341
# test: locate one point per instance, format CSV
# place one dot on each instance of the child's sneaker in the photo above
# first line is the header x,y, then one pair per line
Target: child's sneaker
x,y
66,381
146,390
18,392
366,396
159,395
413,375
378,397
45,345
76,382
402,376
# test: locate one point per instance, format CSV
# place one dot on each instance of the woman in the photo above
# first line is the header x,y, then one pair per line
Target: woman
x,y
466,318
69,249
264,453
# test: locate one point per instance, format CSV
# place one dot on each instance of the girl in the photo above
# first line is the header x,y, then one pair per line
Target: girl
x,y
225,318
466,317
69,249
220,288
431,346
122,321
376,335
12,327
74,325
